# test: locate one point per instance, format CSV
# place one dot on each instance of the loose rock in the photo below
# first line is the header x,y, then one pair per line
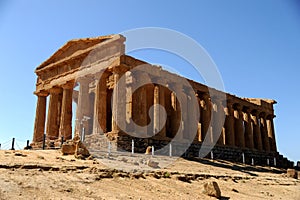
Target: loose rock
x,y
68,149
153,164
212,189
292,173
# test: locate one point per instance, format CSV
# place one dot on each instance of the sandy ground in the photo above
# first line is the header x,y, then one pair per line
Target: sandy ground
x,y
49,175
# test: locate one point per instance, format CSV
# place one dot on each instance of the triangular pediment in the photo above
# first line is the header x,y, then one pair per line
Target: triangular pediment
x,y
72,47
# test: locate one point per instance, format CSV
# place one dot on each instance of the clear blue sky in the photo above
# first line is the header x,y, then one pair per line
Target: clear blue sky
x,y
255,44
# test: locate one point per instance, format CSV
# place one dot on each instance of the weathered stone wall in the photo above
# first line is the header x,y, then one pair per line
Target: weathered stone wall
x,y
233,154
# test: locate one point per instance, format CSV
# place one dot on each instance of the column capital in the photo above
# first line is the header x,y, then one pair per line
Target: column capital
x,y
271,116
255,112
55,90
217,100
84,79
205,96
41,93
262,115
228,105
68,85
247,109
176,86
238,107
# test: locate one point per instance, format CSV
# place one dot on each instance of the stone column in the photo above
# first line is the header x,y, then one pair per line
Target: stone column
x,y
184,108
239,126
264,132
139,104
180,106
119,101
206,108
129,102
65,129
100,105
199,133
229,125
115,98
150,102
53,114
192,113
271,133
40,117
162,102
156,126
83,106
256,131
248,129
217,126
159,99
175,115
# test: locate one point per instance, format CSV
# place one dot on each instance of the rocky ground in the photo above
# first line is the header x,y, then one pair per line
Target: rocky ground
x,y
49,175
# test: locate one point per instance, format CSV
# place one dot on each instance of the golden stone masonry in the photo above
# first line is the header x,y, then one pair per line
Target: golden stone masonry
x,y
77,76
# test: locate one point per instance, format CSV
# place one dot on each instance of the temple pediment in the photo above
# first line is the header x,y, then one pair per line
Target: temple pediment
x,y
72,48
79,57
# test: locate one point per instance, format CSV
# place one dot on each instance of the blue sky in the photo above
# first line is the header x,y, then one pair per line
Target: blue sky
x,y
255,44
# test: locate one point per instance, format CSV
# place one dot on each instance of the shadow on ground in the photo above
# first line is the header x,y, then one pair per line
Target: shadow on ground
x,y
235,166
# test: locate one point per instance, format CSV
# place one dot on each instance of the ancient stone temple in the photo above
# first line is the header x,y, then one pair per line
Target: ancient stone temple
x,y
90,88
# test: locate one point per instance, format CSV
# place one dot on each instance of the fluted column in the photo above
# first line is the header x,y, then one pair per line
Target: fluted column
x,y
175,115
179,103
129,103
218,114
199,133
206,108
184,108
83,106
119,101
65,129
53,114
162,102
192,115
139,104
239,126
156,126
150,102
271,133
256,131
100,105
159,99
264,132
40,117
248,129
229,125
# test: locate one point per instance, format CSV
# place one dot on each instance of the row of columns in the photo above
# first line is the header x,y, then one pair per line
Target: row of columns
x,y
59,116
243,127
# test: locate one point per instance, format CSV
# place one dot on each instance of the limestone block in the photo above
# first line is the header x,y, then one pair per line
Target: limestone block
x,y
292,173
212,189
68,149
152,164
81,152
